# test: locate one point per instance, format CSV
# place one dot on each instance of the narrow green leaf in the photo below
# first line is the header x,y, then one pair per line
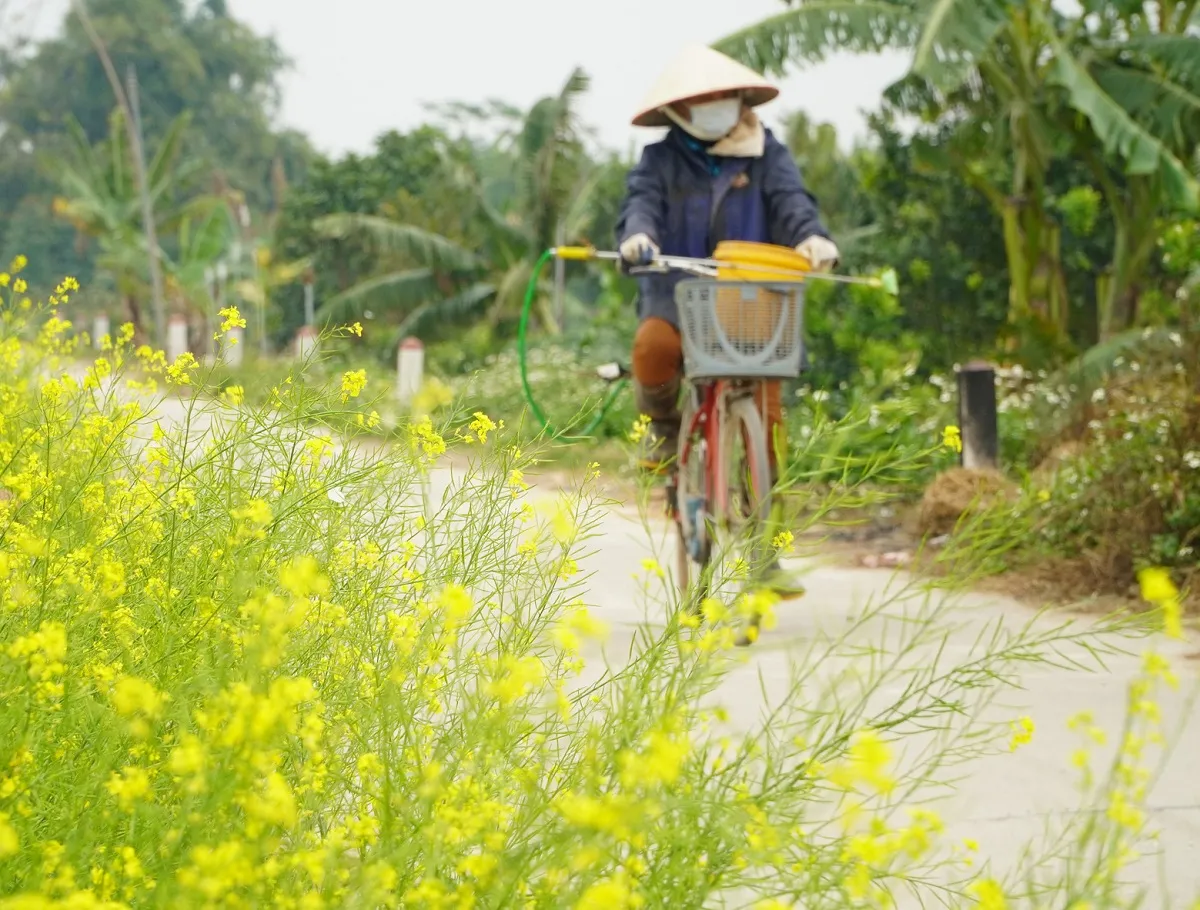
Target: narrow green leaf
x,y
429,249
817,28
390,292
1119,133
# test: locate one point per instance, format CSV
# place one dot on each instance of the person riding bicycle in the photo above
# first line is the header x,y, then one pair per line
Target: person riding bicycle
x,y
719,174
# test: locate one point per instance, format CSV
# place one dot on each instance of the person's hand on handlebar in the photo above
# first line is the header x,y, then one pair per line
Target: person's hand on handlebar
x,y
638,249
821,253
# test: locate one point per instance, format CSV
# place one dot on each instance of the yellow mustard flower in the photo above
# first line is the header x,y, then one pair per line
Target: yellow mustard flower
x,y
353,382
1022,733
952,438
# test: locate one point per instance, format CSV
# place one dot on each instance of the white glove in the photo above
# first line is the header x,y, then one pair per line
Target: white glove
x,y
822,253
638,249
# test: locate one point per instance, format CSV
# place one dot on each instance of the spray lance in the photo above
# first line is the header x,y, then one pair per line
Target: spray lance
x,y
731,261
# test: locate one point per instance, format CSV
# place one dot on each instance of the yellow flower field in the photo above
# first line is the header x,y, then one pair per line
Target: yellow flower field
x,y
244,664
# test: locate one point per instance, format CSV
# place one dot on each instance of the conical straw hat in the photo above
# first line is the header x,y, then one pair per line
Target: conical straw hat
x,y
698,71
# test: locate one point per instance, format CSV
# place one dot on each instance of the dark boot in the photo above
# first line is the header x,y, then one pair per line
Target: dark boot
x,y
658,446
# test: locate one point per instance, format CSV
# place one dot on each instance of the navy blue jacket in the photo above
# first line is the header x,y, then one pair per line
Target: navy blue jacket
x,y
687,201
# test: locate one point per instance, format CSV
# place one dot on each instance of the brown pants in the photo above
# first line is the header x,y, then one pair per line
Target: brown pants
x,y
658,360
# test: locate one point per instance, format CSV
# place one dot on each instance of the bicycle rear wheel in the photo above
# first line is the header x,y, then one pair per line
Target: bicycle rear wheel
x,y
691,514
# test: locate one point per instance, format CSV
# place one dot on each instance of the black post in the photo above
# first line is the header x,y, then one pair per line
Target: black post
x,y
977,416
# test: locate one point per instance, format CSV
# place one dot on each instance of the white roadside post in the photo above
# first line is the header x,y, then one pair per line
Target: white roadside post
x,y
235,344
306,341
410,369
100,328
306,336
310,316
177,337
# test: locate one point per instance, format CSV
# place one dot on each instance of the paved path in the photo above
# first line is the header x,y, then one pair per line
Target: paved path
x,y
1003,802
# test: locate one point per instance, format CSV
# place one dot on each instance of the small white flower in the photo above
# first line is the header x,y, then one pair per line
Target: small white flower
x,y
1192,460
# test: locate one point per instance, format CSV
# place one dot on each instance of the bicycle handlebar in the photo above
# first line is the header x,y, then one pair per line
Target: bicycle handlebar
x,y
703,268
710,268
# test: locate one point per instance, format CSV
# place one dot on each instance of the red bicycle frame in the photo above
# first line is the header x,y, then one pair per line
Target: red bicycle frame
x,y
707,422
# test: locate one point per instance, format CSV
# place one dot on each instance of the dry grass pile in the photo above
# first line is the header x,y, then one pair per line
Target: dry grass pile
x,y
958,492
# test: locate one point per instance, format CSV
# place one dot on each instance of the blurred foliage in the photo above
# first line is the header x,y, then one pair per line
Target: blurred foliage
x,y
192,58
435,230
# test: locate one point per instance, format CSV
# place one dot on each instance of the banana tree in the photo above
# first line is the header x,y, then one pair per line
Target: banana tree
x,y
204,237
98,195
428,278
1149,66
268,277
1009,85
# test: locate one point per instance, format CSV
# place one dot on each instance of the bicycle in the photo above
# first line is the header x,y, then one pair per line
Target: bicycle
x,y
741,322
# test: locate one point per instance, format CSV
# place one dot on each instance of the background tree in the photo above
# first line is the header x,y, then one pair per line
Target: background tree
x,y
100,199
1008,87
427,278
191,57
404,181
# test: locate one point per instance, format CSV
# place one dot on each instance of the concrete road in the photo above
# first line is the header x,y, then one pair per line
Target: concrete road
x,y
1005,802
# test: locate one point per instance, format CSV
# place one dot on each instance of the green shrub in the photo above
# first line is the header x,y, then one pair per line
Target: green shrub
x,y
564,385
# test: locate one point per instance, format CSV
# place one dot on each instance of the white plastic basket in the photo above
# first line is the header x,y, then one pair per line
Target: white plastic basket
x,y
740,329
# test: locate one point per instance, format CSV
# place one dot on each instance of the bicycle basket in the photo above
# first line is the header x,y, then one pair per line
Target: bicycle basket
x,y
741,330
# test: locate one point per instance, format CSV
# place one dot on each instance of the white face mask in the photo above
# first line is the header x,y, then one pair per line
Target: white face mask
x,y
712,120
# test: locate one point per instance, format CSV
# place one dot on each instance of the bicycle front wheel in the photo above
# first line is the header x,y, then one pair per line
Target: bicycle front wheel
x,y
743,481
742,478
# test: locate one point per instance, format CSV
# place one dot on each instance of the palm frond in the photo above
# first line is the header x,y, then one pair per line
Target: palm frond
x,y
209,235
954,35
1169,110
510,290
817,28
120,176
390,292
581,208
431,250
1090,369
1177,56
89,203
158,171
463,307
1118,132
85,161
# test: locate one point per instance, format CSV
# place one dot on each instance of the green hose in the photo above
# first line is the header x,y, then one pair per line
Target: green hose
x,y
522,331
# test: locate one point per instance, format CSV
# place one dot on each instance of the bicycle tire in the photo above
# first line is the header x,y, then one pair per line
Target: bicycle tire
x,y
687,486
742,419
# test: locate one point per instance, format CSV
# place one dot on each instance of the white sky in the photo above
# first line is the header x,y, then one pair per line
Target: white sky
x,y
361,67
